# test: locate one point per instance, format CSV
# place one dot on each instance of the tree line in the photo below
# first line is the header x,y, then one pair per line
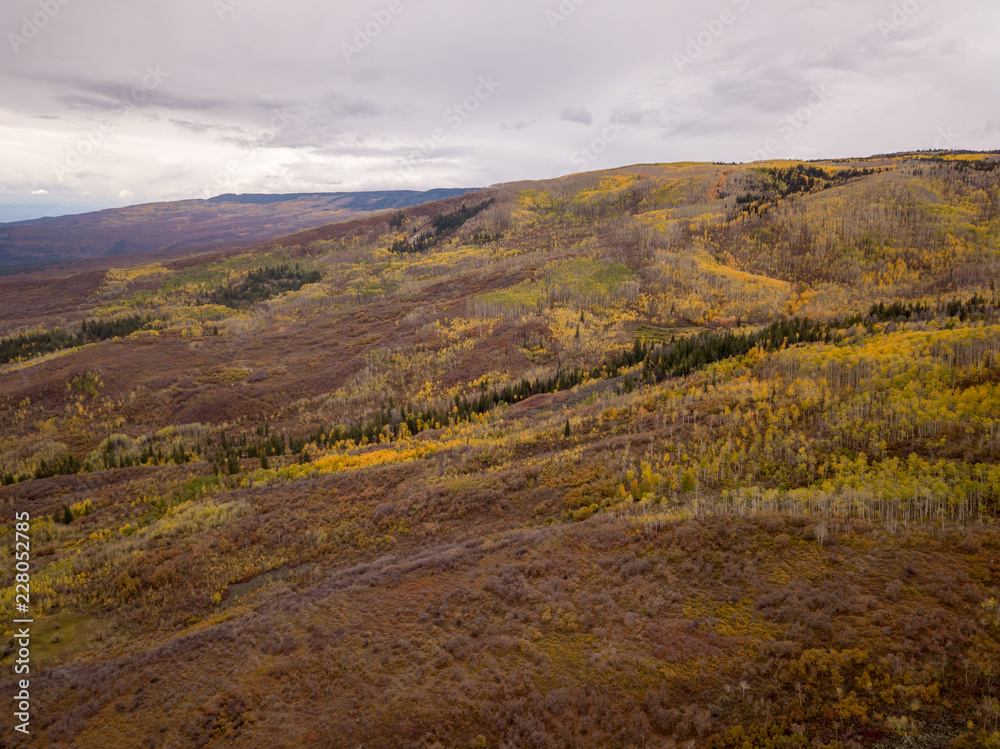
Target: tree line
x,y
265,283
27,345
444,225
962,309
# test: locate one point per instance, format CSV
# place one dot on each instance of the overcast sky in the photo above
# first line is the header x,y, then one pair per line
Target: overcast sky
x,y
108,102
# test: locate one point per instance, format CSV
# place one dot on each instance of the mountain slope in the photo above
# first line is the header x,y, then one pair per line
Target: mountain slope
x,y
560,463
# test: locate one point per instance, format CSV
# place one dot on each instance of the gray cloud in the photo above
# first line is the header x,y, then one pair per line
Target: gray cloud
x,y
580,115
266,94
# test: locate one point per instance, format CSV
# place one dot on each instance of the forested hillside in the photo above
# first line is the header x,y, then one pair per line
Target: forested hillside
x,y
684,455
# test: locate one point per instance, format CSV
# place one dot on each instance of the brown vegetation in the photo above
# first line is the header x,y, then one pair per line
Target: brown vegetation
x,y
366,512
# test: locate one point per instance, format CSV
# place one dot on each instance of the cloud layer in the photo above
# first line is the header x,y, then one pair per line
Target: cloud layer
x,y
112,101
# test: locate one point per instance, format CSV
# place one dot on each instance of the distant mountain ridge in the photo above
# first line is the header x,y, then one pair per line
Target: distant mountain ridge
x,y
368,201
223,221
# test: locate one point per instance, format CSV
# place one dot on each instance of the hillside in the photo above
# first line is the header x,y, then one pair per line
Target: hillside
x,y
182,226
674,455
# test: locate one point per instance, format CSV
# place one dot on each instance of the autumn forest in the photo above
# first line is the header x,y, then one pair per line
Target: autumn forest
x,y
677,455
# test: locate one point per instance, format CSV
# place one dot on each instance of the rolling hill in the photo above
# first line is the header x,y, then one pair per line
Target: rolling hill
x,y
183,226
672,455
